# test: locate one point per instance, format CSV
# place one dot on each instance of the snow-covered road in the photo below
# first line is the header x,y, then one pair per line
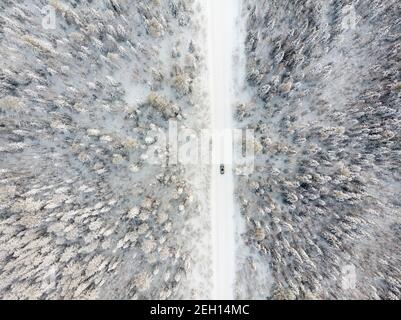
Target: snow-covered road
x,y
221,35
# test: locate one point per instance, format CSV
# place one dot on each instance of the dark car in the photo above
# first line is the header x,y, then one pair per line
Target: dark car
x,y
222,169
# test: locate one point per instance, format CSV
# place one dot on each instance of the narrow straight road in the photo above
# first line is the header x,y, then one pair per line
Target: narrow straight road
x,y
221,15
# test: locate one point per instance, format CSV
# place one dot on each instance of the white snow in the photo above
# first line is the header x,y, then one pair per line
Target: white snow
x,y
221,16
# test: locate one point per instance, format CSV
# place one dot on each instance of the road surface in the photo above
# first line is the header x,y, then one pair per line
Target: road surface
x,y
221,35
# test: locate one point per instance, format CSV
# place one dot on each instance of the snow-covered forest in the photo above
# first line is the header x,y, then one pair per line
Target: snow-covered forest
x,y
83,214
95,205
322,205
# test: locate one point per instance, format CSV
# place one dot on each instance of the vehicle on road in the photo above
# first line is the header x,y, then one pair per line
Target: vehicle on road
x,y
222,169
